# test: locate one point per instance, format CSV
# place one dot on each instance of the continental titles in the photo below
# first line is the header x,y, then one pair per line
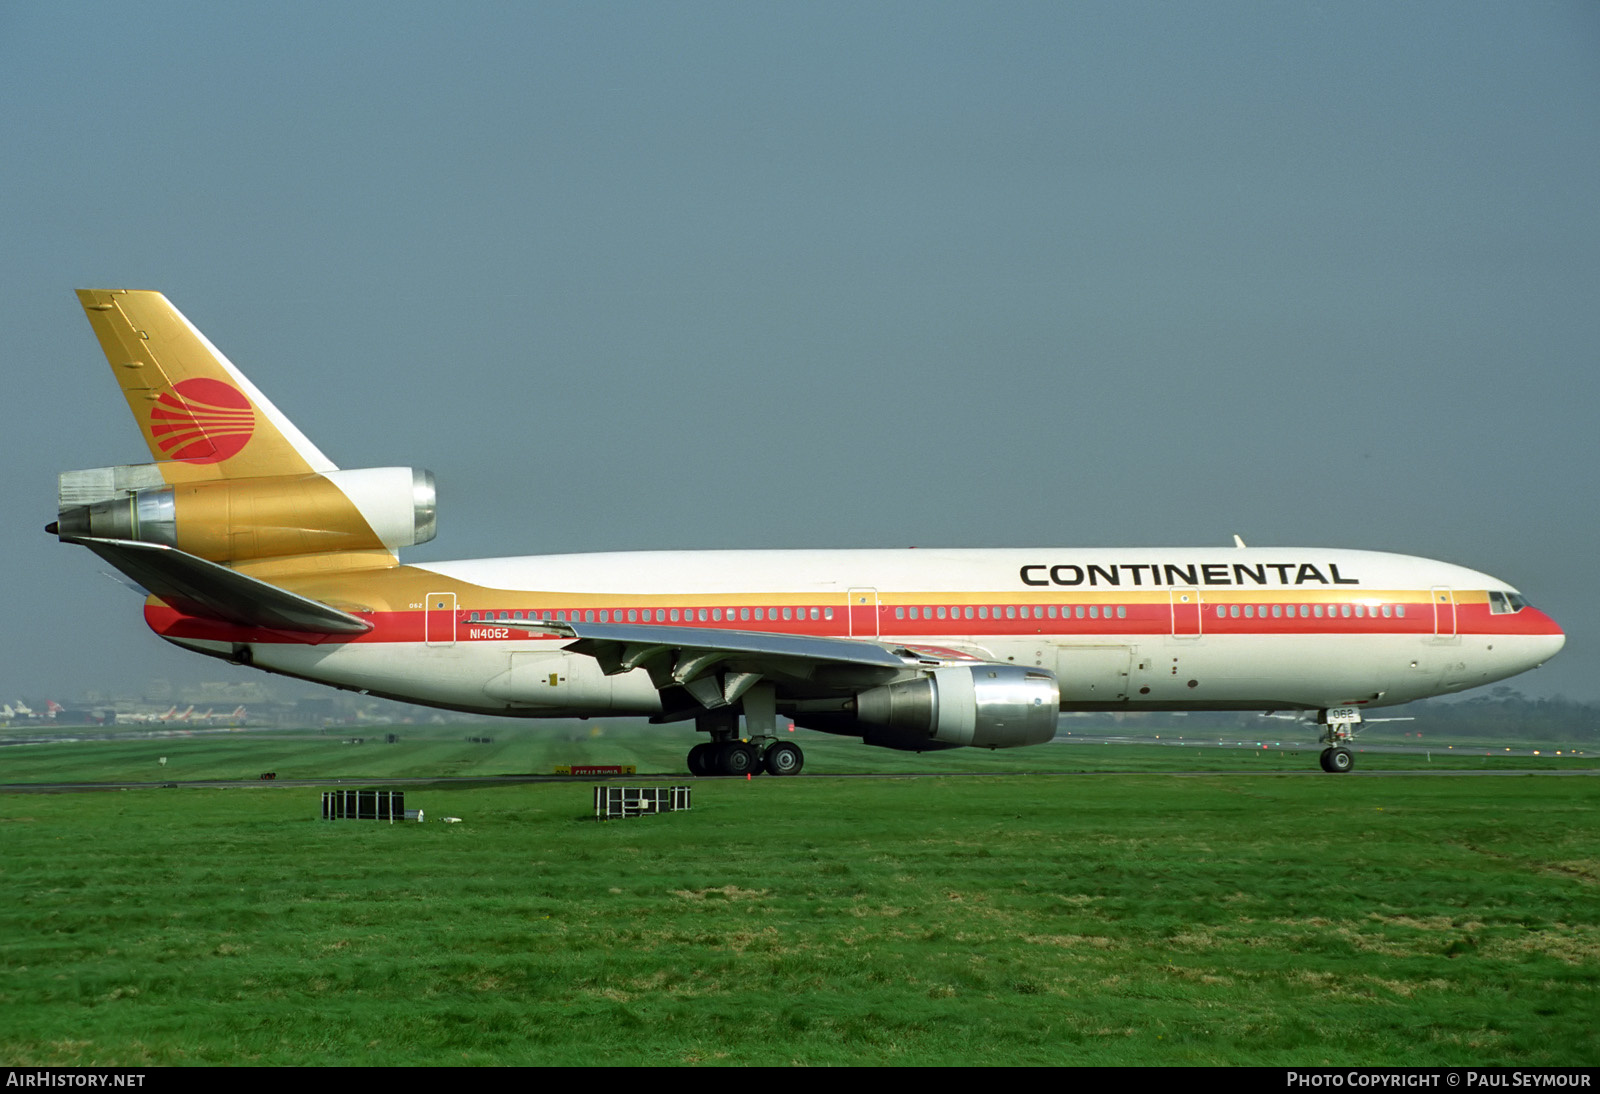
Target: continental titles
x,y
1199,573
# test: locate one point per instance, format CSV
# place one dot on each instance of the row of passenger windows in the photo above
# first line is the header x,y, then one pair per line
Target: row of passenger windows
x,y
663,615
1308,611
1012,611
982,611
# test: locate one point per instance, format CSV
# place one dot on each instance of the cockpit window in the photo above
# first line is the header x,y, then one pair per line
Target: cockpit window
x,y
1506,603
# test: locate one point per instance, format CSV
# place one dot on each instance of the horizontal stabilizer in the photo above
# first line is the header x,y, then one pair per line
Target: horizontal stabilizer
x,y
197,587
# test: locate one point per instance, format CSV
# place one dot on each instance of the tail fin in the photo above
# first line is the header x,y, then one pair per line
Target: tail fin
x,y
199,415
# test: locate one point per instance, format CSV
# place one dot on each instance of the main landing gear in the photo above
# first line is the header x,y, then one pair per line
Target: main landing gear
x,y
726,754
739,758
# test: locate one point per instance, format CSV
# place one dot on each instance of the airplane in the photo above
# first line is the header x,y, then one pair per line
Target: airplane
x,y
142,718
23,710
234,716
255,548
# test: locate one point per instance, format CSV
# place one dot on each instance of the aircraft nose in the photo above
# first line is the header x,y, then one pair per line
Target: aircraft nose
x,y
1548,638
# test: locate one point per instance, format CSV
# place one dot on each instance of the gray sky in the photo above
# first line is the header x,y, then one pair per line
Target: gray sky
x,y
811,275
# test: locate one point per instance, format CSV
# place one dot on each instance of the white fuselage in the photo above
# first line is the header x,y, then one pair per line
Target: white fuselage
x,y
1121,628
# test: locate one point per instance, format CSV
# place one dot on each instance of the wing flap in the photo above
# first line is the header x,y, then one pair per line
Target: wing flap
x,y
197,587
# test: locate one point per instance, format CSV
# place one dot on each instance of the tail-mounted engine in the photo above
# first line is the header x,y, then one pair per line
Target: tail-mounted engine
x,y
227,520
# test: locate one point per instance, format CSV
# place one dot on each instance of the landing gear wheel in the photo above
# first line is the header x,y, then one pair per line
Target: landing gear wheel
x,y
784,758
1337,761
737,758
701,757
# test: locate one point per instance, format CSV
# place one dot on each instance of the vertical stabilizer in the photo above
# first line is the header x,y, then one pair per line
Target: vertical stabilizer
x,y
199,415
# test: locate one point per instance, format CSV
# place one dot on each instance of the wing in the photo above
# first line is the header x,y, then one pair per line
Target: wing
x,y
197,587
716,667
916,698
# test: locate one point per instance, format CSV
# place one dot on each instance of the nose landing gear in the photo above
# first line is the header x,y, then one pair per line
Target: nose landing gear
x,y
1340,722
1337,761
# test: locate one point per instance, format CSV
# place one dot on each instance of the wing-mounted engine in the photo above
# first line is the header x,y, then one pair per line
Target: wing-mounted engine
x,y
981,706
229,520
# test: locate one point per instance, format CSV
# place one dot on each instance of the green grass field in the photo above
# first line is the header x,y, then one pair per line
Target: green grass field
x,y
1040,917
426,751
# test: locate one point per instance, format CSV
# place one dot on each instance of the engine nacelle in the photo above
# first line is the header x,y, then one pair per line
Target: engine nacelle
x,y
226,520
982,706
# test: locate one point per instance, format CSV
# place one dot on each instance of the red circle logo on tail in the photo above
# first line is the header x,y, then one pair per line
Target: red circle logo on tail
x,y
202,421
